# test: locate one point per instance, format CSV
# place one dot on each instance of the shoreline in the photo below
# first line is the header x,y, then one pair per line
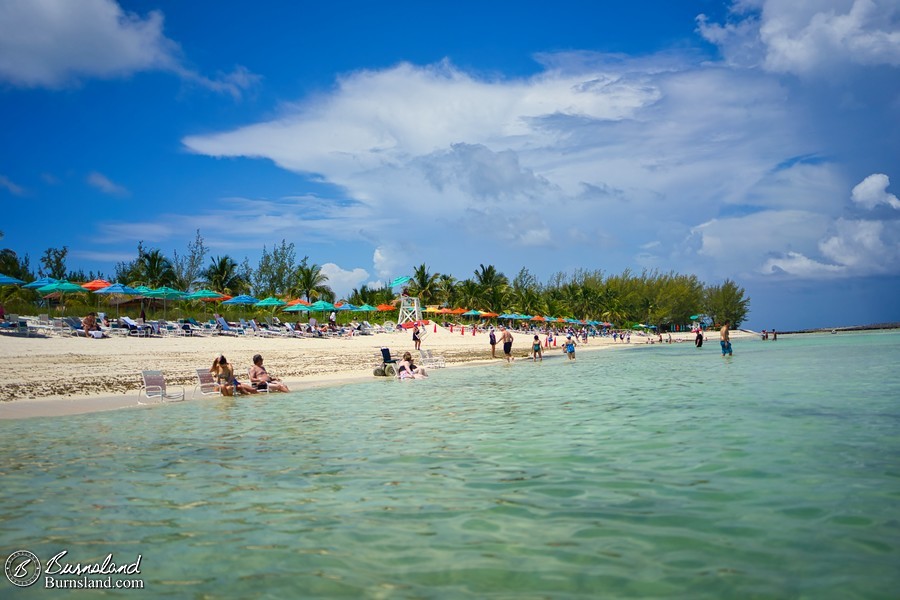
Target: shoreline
x,y
59,376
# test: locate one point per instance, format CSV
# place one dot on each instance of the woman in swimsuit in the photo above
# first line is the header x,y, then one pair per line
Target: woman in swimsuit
x,y
570,347
225,379
536,352
407,370
416,340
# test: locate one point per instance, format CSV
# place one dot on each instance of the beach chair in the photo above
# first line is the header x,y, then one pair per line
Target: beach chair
x,y
389,327
260,330
373,328
73,326
206,384
16,325
154,387
134,328
225,328
430,360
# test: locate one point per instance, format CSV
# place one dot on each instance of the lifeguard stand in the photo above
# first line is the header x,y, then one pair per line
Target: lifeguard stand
x,y
410,310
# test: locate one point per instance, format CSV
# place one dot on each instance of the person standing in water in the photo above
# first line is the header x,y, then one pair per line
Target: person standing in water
x,y
725,339
536,352
507,339
492,338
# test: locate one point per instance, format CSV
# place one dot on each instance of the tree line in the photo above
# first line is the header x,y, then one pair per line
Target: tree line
x,y
649,297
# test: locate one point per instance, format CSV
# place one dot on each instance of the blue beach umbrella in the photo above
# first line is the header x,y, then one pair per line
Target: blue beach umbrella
x,y
7,280
118,289
242,299
40,283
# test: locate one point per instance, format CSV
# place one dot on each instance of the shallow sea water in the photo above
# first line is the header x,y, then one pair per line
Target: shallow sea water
x,y
662,472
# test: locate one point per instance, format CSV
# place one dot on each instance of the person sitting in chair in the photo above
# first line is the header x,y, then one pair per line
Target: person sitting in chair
x,y
261,380
225,379
89,324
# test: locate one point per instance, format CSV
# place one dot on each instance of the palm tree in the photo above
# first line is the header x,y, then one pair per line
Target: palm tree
x,y
310,282
468,293
424,284
446,290
155,269
492,287
222,276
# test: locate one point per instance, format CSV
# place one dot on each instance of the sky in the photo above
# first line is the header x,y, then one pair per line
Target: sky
x,y
752,140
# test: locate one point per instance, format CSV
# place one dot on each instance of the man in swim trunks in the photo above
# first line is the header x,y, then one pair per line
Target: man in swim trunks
x,y
507,339
725,339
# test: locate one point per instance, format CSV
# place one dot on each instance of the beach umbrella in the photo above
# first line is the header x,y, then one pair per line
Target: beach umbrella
x,y
344,306
7,280
63,287
203,295
242,299
96,284
365,308
271,301
399,281
538,318
119,289
385,307
457,311
320,305
489,314
296,307
43,281
165,293
471,313
298,301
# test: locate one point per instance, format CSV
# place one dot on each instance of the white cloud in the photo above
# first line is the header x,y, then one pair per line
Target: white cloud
x,y
342,281
11,187
105,185
872,191
387,262
853,248
809,38
55,43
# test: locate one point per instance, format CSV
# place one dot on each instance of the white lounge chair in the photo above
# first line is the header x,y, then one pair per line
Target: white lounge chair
x,y
155,388
206,384
430,360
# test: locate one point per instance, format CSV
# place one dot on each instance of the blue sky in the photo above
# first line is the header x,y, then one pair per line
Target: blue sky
x,y
757,140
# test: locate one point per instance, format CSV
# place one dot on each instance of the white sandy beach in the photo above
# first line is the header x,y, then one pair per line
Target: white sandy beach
x,y
57,375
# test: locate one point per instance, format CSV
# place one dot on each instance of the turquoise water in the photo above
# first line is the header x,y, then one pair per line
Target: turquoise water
x,y
660,472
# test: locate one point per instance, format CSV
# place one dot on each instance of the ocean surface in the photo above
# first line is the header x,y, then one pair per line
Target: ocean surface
x,y
657,472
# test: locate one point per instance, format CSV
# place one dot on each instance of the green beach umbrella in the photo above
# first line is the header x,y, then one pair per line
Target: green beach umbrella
x,y
202,295
63,287
271,301
165,293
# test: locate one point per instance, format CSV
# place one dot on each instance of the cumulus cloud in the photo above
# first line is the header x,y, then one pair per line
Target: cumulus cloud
x,y
342,281
56,43
438,158
808,38
872,191
105,185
